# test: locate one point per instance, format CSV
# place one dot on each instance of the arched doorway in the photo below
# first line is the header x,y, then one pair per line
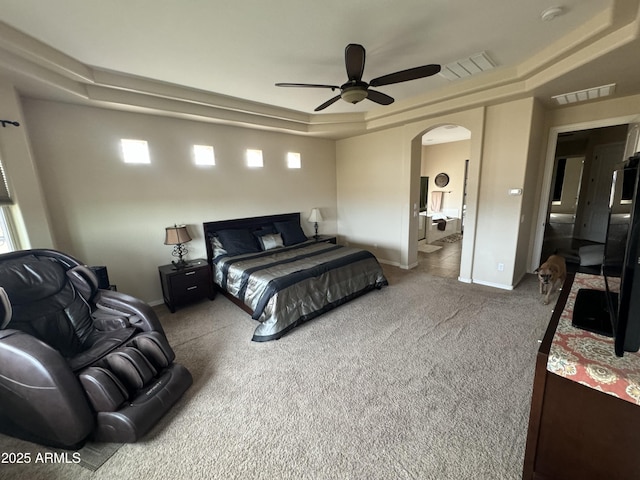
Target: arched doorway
x,y
445,153
472,120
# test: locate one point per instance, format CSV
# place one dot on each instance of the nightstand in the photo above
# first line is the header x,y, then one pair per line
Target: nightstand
x,y
180,287
325,238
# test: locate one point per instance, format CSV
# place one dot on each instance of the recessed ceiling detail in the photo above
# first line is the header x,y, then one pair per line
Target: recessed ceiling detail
x,y
584,95
478,63
45,56
446,134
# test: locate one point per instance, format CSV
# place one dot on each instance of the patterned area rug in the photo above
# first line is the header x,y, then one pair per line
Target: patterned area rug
x,y
456,237
93,455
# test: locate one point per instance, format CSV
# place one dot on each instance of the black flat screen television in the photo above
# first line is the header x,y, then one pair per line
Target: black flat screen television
x,y
616,310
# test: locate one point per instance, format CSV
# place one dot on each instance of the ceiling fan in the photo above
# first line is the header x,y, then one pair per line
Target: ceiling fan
x,y
355,90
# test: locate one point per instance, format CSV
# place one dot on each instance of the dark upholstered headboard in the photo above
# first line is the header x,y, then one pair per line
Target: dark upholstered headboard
x,y
252,223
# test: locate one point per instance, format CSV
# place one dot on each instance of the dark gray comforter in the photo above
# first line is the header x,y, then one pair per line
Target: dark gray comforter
x,y
287,286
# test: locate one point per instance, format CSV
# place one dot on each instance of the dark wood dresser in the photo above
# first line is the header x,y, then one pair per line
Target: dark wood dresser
x,y
585,414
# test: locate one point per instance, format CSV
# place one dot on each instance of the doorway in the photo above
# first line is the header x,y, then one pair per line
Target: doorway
x,y
443,180
578,195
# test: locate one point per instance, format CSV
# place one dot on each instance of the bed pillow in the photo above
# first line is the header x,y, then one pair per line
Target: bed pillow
x,y
291,232
271,241
216,246
238,241
264,230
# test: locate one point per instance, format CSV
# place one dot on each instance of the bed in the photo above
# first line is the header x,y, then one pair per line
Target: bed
x,y
268,267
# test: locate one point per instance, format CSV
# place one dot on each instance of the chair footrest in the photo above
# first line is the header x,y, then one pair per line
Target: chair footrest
x,y
135,419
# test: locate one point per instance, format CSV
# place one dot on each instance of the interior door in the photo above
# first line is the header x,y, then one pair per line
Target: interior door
x,y
595,216
633,140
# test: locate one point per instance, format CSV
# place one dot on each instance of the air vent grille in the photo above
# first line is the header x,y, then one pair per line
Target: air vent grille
x,y
584,95
466,67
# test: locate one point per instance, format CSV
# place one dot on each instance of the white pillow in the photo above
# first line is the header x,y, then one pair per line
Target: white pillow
x,y
271,241
218,249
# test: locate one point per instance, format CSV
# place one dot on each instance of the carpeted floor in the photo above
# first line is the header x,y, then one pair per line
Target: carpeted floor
x,y
428,378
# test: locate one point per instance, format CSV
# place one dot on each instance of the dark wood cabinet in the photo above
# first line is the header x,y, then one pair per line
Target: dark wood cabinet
x,y
577,431
187,285
326,238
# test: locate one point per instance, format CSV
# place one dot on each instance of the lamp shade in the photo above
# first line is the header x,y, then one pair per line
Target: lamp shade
x,y
315,216
176,235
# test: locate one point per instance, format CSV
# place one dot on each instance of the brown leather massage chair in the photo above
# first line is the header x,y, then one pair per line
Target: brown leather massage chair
x,y
78,363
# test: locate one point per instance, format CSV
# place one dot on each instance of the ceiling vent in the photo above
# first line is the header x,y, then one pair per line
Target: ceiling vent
x,y
584,95
466,67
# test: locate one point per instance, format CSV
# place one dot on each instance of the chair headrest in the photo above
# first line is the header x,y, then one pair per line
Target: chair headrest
x,y
29,279
84,280
5,309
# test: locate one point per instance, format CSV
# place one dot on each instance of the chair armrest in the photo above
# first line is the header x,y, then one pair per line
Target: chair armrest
x,y
139,314
42,399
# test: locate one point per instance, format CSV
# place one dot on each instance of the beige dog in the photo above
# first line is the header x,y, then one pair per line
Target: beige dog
x,y
551,275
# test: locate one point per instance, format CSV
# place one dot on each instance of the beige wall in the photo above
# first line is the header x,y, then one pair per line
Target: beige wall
x,y
538,138
371,180
391,161
504,161
500,148
593,115
28,212
447,158
107,212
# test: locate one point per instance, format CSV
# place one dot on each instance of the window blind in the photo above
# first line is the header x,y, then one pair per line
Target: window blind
x,y
5,198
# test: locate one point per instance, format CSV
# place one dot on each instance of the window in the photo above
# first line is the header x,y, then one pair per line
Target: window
x,y
6,238
7,235
5,198
293,160
254,158
135,151
204,155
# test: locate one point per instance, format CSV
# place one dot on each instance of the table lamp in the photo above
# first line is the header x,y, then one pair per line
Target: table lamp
x,y
177,236
315,217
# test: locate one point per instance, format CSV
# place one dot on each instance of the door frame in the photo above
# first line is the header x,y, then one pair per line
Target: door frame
x,y
545,191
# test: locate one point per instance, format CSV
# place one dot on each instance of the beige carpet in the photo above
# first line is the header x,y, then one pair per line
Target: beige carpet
x,y
428,378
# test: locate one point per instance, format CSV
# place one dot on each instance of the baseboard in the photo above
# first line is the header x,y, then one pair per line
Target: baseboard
x,y
397,264
494,285
389,262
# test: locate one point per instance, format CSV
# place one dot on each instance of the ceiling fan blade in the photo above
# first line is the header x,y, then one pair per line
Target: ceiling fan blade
x,y
354,57
327,103
406,75
307,85
379,97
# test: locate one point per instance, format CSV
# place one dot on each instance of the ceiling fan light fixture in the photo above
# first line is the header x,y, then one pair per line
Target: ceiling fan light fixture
x,y
354,90
354,95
